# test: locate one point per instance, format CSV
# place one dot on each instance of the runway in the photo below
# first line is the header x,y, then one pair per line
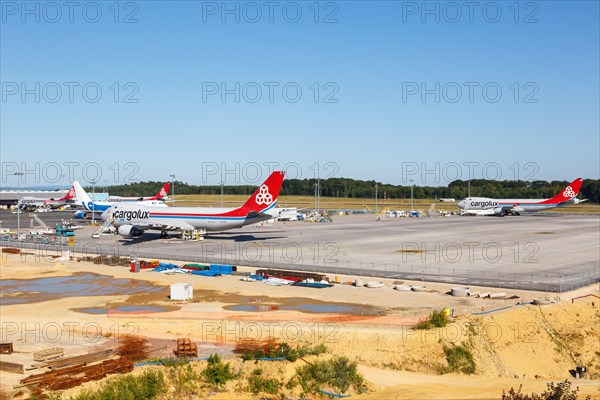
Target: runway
x,y
549,252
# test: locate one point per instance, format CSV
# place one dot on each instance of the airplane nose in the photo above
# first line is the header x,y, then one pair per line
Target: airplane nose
x,y
104,215
461,204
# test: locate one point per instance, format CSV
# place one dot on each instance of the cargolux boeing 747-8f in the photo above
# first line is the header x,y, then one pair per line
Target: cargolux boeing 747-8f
x,y
501,207
131,220
35,204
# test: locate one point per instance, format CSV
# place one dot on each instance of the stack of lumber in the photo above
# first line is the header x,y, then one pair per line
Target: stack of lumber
x,y
11,367
186,348
83,359
48,354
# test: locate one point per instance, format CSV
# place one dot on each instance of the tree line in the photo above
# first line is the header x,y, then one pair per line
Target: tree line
x,y
353,188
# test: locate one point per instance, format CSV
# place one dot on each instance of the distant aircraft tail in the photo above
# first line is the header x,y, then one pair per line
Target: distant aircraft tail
x,y
162,193
265,197
82,196
69,195
567,193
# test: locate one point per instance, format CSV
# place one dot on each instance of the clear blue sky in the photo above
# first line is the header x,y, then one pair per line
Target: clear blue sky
x,y
375,61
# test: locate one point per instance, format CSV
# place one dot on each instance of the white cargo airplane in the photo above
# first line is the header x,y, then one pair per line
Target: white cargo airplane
x,y
131,219
36,204
501,207
84,200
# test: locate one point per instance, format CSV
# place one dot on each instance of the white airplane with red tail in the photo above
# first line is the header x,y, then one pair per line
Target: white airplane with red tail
x,y
36,204
132,220
501,207
161,195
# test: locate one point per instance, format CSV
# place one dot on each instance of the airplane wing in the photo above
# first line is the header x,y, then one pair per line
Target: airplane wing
x,y
514,208
171,226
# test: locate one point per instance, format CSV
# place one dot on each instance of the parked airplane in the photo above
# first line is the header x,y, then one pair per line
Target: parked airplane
x,y
131,220
501,207
100,206
161,195
35,204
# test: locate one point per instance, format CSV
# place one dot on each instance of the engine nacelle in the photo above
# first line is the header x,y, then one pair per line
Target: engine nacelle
x,y
499,211
129,231
80,215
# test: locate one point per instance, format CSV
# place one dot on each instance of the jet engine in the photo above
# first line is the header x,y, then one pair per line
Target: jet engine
x,y
80,215
129,231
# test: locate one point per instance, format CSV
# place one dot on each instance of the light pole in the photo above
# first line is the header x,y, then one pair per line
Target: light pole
x,y
18,175
376,204
319,194
93,201
411,195
316,208
469,186
172,190
222,183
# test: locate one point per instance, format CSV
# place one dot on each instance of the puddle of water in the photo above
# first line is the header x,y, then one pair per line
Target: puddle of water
x,y
95,310
141,309
324,308
16,291
251,307
307,307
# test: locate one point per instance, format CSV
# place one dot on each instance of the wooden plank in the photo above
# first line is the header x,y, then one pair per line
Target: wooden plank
x,y
36,366
47,354
11,367
35,379
84,358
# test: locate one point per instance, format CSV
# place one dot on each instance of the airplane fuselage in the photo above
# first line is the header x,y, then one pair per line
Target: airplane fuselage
x,y
516,205
489,206
209,219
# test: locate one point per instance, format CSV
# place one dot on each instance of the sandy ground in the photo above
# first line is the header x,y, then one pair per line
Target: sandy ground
x,y
527,345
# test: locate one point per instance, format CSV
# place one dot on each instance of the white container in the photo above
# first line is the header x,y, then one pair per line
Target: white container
x,y
182,291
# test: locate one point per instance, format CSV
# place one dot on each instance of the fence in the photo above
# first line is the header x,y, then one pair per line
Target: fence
x,y
539,281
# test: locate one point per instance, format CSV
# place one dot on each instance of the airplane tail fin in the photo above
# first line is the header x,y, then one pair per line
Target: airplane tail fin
x,y
265,197
162,193
69,195
82,196
567,193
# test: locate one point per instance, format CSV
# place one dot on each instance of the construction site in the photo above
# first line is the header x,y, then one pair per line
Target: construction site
x,y
67,316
